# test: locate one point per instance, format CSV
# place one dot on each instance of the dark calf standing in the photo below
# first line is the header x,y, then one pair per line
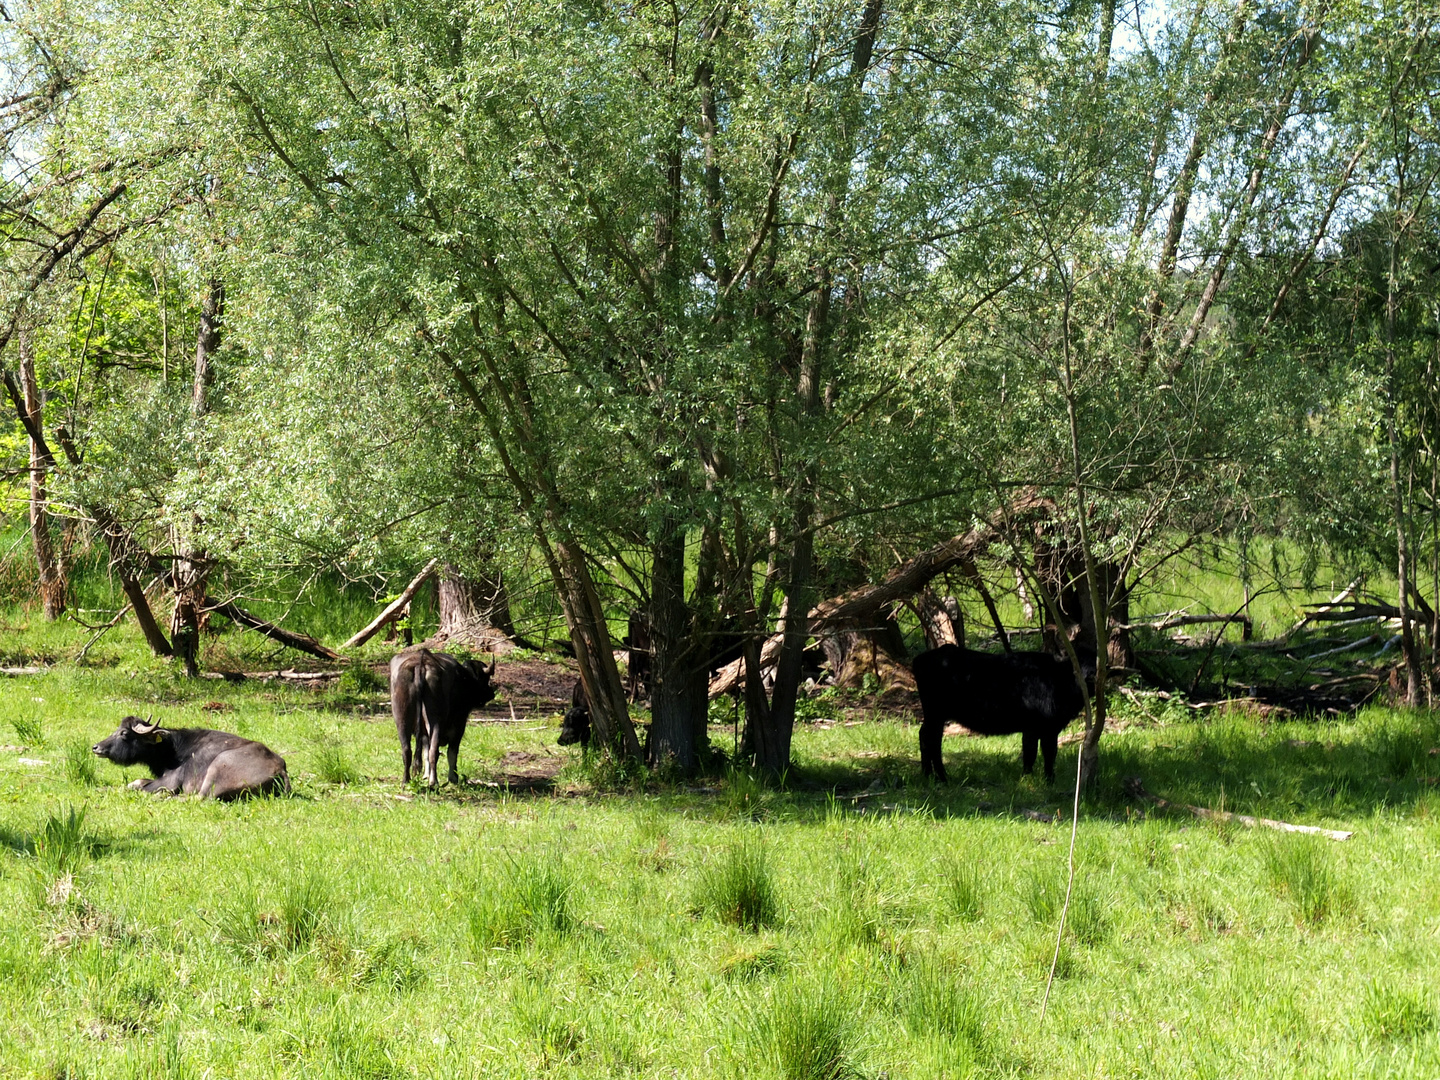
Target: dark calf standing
x,y
1034,694
212,764
576,726
432,695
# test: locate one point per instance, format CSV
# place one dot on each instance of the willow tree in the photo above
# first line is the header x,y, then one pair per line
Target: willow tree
x,y
648,252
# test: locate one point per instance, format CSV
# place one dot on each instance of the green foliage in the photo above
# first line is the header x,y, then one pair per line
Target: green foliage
x,y
938,1003
331,764
63,841
29,730
739,888
535,897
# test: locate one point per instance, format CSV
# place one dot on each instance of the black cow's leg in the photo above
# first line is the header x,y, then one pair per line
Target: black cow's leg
x,y
403,728
452,754
1050,747
432,756
1029,742
931,761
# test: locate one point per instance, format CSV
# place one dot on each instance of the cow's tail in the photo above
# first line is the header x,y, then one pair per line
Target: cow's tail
x,y
422,712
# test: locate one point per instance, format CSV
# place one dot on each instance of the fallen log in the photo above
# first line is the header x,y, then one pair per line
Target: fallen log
x,y
393,611
1368,640
300,642
1339,598
1169,623
863,604
1136,789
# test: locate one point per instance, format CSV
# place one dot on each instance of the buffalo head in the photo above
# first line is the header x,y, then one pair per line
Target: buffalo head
x,y
133,743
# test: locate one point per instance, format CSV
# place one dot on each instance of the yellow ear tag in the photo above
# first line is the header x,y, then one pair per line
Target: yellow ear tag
x,y
159,737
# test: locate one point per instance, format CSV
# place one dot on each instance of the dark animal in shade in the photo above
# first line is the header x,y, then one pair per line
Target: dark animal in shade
x,y
197,761
432,694
575,728
1034,694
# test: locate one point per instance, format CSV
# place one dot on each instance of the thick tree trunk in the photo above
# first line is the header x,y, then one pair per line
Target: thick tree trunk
x,y
674,660
941,619
594,651
475,610
49,564
875,648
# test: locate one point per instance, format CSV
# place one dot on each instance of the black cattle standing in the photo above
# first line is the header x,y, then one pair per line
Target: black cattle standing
x,y
1034,694
432,695
212,764
576,726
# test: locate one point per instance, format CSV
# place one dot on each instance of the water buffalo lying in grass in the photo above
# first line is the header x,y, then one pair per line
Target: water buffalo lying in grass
x,y
197,761
431,695
576,726
1034,694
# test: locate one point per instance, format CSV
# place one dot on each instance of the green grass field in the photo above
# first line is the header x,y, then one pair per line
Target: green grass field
x,y
857,923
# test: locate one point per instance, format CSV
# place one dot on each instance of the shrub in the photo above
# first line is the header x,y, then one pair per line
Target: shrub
x,y
739,888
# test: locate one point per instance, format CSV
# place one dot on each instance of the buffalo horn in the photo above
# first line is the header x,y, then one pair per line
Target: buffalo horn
x,y
143,728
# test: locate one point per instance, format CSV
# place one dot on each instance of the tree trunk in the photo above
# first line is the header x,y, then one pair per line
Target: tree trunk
x,y
207,341
875,648
941,619
674,659
49,564
475,610
192,568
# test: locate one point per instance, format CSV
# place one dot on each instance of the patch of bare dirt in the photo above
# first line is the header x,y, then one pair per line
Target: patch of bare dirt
x,y
534,688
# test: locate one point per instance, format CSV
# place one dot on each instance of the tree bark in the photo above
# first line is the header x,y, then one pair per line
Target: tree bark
x,y
192,567
49,564
674,661
475,609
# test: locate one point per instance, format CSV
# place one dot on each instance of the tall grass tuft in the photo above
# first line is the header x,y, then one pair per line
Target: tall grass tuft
x,y
159,1059
29,730
331,764
808,1032
1043,893
305,910
80,764
1300,871
1388,1012
536,898
961,891
937,1004
63,841
547,1021
739,888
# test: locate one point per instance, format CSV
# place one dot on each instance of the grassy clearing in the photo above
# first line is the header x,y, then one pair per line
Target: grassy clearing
x,y
359,929
860,922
